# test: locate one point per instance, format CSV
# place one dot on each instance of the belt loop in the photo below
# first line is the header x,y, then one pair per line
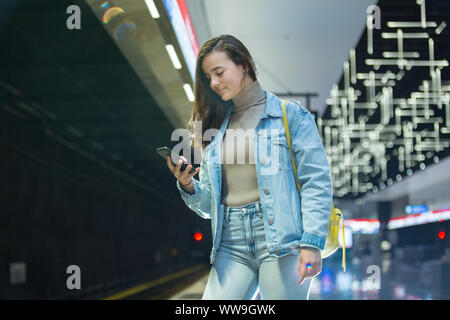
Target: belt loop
x,y
227,213
243,212
259,210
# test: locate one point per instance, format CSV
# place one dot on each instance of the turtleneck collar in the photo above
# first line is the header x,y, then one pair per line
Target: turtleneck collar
x,y
248,97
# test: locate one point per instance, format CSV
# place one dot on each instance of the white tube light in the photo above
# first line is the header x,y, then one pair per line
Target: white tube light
x,y
189,92
418,63
405,24
152,8
391,54
441,27
414,35
173,56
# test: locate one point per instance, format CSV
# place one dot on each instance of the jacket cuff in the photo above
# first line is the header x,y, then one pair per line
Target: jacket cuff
x,y
186,195
309,246
313,240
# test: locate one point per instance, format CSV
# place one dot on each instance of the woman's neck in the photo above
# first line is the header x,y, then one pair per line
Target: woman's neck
x,y
250,96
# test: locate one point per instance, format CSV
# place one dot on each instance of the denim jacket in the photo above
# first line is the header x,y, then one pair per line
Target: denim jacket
x,y
290,221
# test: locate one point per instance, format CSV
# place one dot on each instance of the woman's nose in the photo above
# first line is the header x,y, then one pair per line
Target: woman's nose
x,y
214,82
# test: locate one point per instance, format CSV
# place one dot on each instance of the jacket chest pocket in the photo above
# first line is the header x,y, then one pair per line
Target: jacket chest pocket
x,y
273,153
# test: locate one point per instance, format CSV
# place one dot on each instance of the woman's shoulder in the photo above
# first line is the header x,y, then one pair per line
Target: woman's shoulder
x,y
296,107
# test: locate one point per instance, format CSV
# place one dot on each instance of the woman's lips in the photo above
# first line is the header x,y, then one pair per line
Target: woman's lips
x,y
220,91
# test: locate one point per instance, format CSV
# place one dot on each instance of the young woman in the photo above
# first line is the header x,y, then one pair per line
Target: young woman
x,y
265,236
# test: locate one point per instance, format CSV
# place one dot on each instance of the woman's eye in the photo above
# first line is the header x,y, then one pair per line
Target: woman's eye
x,y
219,74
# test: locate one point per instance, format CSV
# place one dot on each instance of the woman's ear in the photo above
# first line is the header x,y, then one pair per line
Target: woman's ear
x,y
244,68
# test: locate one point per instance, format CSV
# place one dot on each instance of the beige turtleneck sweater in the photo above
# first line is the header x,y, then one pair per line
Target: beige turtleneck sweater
x,y
239,184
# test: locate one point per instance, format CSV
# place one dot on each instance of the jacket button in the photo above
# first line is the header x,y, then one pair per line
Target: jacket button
x,y
270,220
263,160
266,191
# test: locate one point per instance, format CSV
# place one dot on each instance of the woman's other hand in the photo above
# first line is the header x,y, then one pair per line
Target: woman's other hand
x,y
309,263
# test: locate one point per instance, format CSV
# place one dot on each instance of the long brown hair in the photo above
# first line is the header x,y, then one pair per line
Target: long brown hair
x,y
208,106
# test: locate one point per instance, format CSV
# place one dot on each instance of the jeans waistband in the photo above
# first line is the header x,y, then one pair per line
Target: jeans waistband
x,y
246,209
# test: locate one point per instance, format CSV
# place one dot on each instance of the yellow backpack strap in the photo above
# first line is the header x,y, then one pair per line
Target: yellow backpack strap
x,y
343,245
341,221
288,137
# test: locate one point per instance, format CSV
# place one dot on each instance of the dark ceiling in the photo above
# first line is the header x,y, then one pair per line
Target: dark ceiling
x,y
82,78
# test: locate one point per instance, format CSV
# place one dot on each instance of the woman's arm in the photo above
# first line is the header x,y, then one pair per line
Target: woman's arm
x,y
197,195
313,173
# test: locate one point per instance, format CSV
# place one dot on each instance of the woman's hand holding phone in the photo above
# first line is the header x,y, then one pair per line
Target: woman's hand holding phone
x,y
184,177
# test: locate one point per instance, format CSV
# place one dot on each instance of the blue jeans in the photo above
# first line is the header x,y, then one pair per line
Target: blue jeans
x,y
243,265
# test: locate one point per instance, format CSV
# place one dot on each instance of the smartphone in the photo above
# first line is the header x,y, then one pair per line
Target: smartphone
x,y
166,152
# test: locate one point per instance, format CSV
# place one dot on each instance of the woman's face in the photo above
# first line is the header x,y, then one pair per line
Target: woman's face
x,y
225,78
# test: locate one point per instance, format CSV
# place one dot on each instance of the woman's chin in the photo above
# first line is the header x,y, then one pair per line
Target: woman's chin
x,y
225,97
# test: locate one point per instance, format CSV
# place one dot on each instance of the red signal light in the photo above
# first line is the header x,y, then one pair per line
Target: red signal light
x,y
441,235
198,236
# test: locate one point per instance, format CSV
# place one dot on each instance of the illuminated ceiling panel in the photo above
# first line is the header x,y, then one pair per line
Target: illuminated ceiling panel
x,y
389,115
